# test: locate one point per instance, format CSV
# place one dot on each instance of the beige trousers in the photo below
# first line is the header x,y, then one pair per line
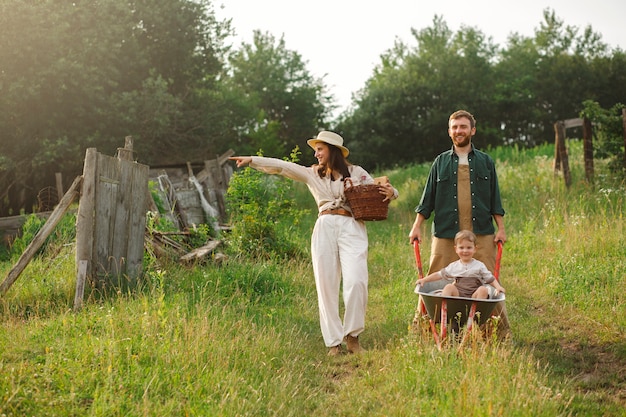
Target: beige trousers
x,y
339,248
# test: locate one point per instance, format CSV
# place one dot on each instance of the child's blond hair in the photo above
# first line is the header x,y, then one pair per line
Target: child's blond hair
x,y
465,235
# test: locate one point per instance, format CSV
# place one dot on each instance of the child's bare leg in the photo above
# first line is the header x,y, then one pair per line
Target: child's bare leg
x,y
481,292
450,289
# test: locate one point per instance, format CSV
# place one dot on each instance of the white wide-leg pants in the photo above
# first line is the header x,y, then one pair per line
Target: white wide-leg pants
x,y
339,249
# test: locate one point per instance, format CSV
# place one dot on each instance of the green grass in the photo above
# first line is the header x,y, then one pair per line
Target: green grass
x,y
243,338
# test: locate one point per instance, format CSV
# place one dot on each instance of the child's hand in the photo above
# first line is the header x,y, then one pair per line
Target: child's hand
x,y
419,282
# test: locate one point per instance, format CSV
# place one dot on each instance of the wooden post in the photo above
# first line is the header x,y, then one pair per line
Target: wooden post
x,y
217,178
557,146
85,214
59,184
126,153
80,285
561,150
588,149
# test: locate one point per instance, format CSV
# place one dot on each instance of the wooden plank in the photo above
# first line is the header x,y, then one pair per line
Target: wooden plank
x,y
13,224
201,252
126,153
122,213
217,183
557,145
568,123
203,175
85,216
223,158
41,236
107,185
80,284
137,221
120,220
113,218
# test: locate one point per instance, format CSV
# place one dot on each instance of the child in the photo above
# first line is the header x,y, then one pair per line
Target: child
x,y
469,274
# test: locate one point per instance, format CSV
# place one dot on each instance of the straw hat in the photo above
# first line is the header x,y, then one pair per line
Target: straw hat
x,y
331,139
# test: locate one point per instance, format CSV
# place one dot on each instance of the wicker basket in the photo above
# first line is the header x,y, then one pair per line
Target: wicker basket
x,y
366,201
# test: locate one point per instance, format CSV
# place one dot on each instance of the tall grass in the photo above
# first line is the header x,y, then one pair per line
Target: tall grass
x,y
242,338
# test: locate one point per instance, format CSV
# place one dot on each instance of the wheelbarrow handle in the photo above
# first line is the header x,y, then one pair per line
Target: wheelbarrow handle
x,y
496,271
418,258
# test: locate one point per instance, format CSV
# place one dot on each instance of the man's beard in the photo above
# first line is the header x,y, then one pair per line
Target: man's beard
x,y
462,142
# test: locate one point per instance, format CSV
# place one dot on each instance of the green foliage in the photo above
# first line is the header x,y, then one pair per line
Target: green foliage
x,y
89,74
63,234
263,214
286,103
200,235
608,126
156,197
159,223
516,91
5,253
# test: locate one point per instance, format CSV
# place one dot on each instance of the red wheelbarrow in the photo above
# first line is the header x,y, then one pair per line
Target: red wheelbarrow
x,y
447,310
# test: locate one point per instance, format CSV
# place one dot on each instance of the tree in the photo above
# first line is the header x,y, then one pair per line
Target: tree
x,y
80,74
402,113
515,77
546,78
516,92
286,104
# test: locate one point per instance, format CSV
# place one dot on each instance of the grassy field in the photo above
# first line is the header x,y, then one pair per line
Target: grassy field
x,y
243,338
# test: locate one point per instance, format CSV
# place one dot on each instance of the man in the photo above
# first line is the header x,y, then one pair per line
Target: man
x,y
462,190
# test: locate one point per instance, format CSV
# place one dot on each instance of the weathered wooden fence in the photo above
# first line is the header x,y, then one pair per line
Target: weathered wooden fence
x,y
111,219
561,160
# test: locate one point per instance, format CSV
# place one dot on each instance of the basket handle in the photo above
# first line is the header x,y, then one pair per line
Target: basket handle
x,y
346,181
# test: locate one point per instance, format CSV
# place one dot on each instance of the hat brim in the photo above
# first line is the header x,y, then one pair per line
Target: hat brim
x,y
344,151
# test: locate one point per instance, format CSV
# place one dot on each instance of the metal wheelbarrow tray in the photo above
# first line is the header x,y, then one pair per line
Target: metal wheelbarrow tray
x,y
458,308
448,310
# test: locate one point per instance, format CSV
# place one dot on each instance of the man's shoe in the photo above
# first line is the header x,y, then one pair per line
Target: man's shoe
x,y
334,351
352,344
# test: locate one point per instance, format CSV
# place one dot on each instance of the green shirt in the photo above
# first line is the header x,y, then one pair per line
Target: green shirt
x,y
440,194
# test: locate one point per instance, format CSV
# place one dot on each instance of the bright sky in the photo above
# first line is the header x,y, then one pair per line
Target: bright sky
x,y
341,40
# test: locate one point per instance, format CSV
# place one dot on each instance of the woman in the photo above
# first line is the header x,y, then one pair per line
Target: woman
x,y
339,242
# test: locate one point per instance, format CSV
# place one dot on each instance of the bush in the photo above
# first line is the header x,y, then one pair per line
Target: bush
x,y
263,214
64,233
